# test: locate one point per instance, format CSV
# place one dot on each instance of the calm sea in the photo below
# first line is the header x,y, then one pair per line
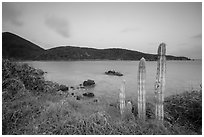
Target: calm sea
x,y
180,76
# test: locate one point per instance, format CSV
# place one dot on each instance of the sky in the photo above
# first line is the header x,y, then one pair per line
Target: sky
x,y
129,25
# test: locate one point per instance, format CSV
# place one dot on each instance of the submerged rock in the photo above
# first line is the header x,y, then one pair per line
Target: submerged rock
x,y
78,97
72,88
96,100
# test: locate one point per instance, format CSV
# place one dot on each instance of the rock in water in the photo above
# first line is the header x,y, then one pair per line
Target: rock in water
x,y
63,88
88,94
78,97
89,83
112,72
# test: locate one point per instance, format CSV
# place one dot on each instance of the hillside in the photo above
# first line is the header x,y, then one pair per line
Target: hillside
x,y
16,47
79,53
19,48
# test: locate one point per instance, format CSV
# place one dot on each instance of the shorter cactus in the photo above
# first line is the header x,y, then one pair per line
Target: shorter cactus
x,y
129,107
122,98
128,115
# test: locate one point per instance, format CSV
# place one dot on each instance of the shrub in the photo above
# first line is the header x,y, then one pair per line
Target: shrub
x,y
19,113
185,109
11,87
8,69
32,79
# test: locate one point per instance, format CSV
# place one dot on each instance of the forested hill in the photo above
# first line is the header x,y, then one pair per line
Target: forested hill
x,y
15,47
79,53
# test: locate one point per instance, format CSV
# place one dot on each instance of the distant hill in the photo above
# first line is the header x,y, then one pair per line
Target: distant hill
x,y
19,48
78,53
16,47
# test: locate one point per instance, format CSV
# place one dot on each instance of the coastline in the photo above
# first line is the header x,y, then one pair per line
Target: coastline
x,y
30,86
24,60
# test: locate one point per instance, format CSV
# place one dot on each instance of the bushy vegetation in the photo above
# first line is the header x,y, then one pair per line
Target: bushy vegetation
x,y
185,109
32,79
31,105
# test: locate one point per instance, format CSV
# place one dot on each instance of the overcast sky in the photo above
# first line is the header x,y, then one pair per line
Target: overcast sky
x,y
135,26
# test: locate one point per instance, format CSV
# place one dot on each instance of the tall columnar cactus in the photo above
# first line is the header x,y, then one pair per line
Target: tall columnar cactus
x,y
160,82
122,98
141,90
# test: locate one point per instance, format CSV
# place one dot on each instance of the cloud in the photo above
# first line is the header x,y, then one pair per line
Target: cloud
x,y
198,36
130,30
59,25
11,12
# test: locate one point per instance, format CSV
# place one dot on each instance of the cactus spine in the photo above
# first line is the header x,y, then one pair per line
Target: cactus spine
x,y
122,98
160,82
141,89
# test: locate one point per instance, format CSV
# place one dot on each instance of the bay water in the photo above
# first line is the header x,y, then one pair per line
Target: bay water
x,y
180,75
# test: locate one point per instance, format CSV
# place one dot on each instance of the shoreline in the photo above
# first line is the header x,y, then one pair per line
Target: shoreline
x,y
47,100
102,60
76,86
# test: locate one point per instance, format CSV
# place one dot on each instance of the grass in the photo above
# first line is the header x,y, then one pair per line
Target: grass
x,y
32,105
